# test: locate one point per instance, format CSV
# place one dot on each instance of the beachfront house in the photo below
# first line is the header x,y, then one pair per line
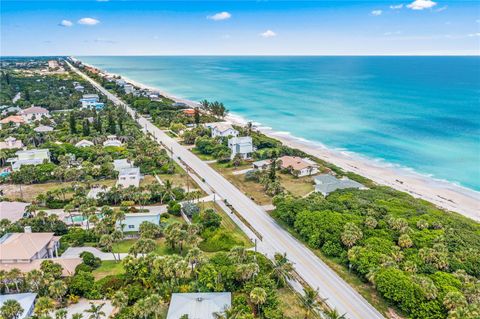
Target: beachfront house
x,y
241,145
179,104
132,221
128,88
15,120
222,129
112,141
326,184
84,143
29,157
53,64
204,305
43,129
26,301
11,143
262,165
298,166
91,101
34,113
129,177
120,82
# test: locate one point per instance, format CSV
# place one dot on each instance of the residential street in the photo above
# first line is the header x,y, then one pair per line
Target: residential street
x,y
274,239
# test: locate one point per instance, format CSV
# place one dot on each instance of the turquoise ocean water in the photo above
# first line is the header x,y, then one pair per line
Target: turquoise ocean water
x,y
421,113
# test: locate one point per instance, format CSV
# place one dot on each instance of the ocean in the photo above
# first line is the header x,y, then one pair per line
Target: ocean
x,y
420,113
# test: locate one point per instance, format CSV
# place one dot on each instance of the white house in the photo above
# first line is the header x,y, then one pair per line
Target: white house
x,y
129,177
204,305
26,301
241,145
326,184
128,88
34,113
79,88
262,165
43,129
26,247
222,129
132,221
53,64
90,101
29,157
112,141
298,166
120,82
84,143
11,142
120,164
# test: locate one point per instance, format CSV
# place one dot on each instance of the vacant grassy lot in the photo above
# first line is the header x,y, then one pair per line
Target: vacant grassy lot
x,y
124,246
107,268
30,192
228,224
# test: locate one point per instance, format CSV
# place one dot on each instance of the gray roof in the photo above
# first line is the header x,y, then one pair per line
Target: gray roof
x,y
129,171
198,305
326,183
26,301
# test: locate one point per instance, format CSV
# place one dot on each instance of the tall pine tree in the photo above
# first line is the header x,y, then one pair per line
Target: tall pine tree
x,y
73,123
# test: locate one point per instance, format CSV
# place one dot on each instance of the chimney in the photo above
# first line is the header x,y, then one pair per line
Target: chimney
x,y
27,229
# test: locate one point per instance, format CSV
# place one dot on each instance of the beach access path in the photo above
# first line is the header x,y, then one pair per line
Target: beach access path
x,y
273,238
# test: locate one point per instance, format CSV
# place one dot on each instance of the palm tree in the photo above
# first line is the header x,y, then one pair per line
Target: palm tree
x,y
155,304
258,296
4,280
334,314
310,301
106,242
96,311
61,314
13,276
69,208
11,309
246,272
77,316
167,191
43,306
282,268
119,300
34,279
57,290
351,234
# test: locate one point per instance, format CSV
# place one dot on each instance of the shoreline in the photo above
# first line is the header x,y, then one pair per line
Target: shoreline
x,y
442,193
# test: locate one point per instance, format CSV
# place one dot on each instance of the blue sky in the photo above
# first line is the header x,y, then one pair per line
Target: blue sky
x,y
114,27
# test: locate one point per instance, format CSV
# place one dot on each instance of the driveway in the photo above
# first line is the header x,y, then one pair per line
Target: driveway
x,y
74,252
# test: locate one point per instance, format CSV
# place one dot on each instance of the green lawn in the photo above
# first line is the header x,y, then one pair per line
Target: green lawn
x,y
107,268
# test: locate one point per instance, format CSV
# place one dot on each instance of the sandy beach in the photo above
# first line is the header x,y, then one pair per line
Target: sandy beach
x,y
443,194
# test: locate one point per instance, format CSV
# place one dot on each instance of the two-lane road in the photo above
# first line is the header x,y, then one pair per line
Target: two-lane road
x,y
274,238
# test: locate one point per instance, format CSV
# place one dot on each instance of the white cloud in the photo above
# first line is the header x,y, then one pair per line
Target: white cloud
x,y
474,34
396,6
88,21
393,33
376,13
268,34
65,23
421,4
220,16
442,9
